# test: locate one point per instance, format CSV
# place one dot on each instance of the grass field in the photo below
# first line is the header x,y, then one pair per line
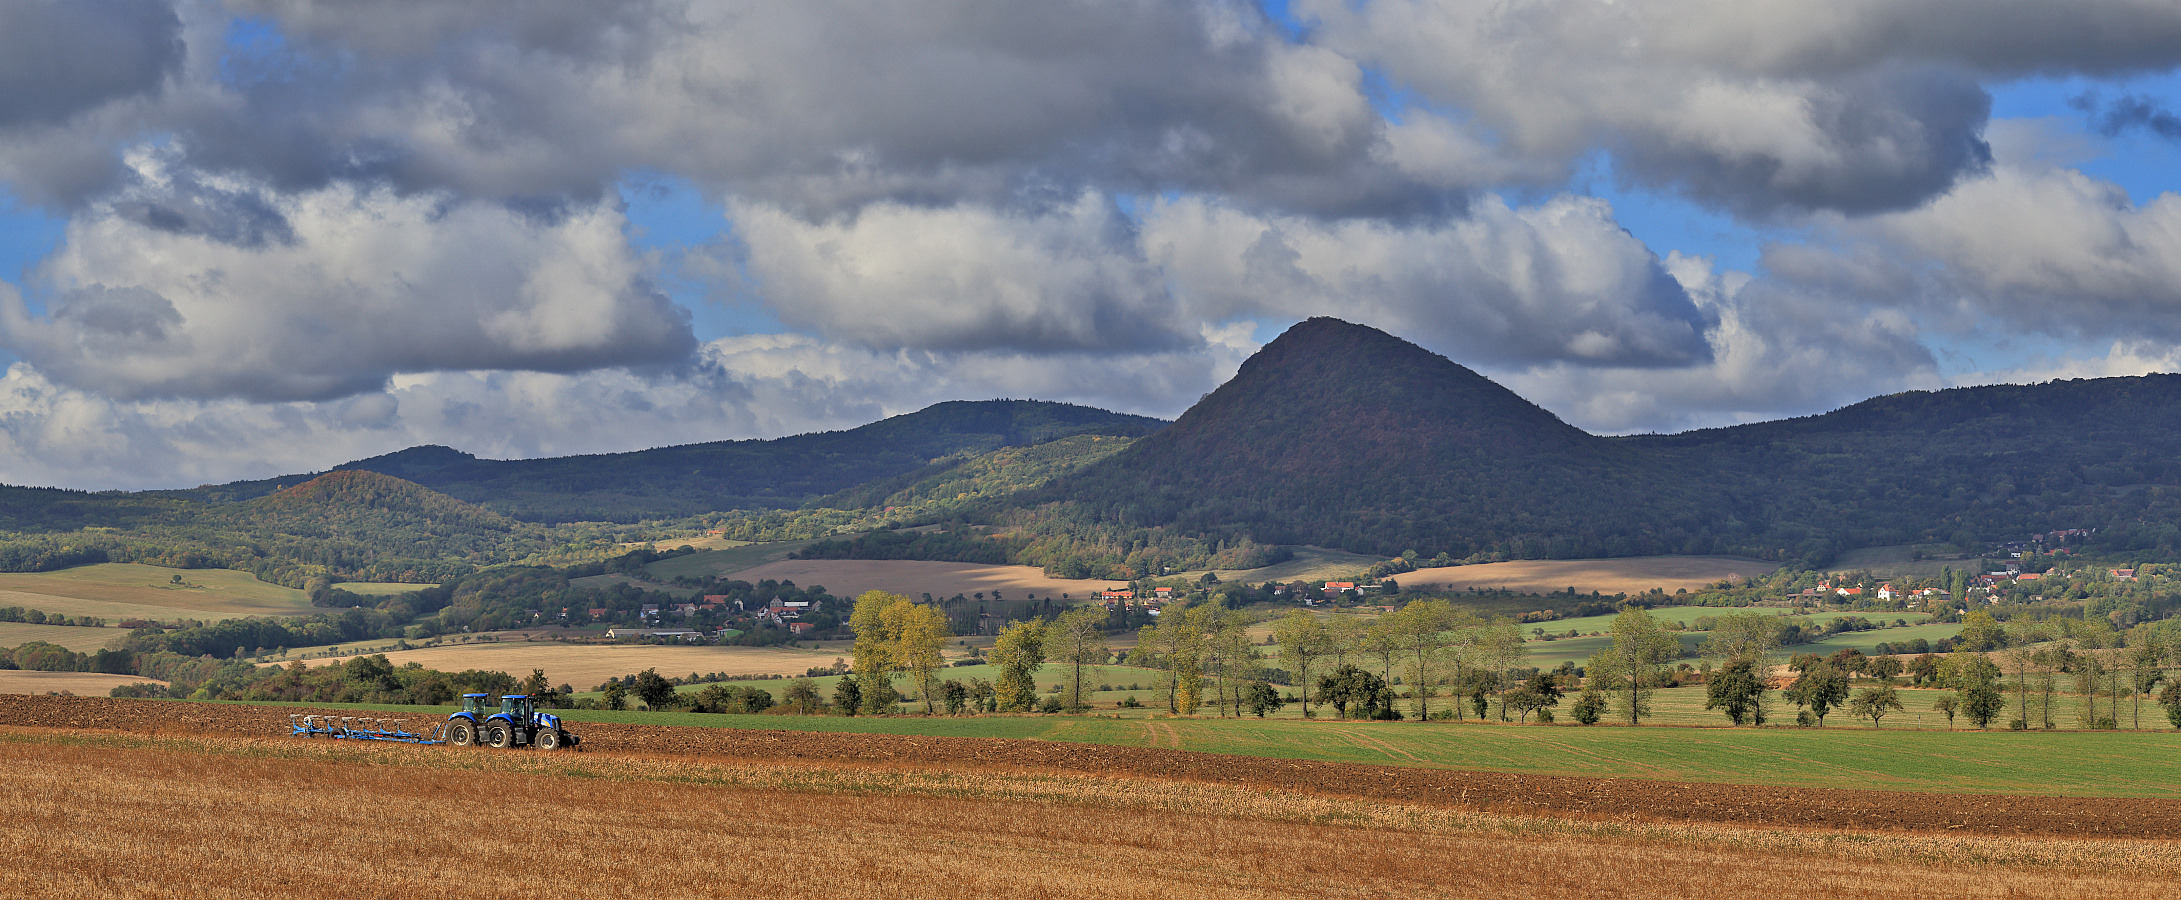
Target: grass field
x,y
1309,564
604,581
380,589
126,590
81,640
1900,561
2069,763
1632,575
256,818
724,559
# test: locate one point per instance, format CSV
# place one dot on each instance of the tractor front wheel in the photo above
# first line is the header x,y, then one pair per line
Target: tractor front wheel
x,y
461,733
547,739
498,737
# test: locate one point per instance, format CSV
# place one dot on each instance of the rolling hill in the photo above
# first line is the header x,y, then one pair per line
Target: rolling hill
x,y
697,478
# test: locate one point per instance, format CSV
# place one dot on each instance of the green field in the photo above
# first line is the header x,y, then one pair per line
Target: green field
x,y
115,591
81,640
2118,764
380,589
723,562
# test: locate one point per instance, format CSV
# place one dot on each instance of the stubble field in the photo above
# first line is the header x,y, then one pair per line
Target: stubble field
x,y
585,665
97,802
1633,575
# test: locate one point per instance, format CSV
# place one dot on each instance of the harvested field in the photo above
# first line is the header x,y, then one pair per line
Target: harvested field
x,y
1593,799
81,684
1632,575
851,577
275,817
116,591
585,665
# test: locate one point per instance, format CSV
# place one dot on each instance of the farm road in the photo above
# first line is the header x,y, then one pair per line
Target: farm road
x,y
1589,798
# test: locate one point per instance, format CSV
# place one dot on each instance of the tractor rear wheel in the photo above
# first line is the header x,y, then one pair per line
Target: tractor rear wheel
x,y
461,733
547,739
498,737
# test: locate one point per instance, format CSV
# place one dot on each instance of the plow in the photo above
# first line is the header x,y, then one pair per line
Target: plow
x,y
515,723
359,728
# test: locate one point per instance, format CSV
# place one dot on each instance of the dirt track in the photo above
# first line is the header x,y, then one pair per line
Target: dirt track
x,y
1489,791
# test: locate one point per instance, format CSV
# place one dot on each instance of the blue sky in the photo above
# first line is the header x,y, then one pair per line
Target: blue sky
x,y
240,247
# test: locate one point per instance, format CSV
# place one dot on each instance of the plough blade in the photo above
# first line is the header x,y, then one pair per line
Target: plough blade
x,y
358,728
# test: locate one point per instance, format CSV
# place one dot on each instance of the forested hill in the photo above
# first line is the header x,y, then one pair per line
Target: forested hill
x,y
698,478
1340,435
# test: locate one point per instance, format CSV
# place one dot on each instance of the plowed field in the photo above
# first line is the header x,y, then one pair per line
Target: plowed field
x,y
1617,799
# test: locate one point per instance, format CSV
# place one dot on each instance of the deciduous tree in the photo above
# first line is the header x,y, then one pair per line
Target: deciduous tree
x,y
1303,641
1737,691
1629,669
1018,653
1077,639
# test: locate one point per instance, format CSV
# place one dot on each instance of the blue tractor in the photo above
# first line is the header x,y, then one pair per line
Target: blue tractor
x,y
515,724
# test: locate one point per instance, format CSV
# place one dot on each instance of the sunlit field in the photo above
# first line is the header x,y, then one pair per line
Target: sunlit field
x,y
114,816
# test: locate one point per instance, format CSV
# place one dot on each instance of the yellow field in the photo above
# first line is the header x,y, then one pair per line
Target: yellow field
x,y
851,577
115,591
584,666
1632,575
81,684
272,817
81,640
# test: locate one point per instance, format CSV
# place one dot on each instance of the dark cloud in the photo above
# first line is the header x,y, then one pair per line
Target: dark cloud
x,y
59,58
2132,112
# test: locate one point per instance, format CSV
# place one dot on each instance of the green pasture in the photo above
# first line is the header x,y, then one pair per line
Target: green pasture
x,y
1868,640
381,589
81,640
1578,650
722,562
2095,764
115,591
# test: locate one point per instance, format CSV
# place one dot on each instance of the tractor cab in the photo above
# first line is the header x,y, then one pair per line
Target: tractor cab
x,y
516,707
475,705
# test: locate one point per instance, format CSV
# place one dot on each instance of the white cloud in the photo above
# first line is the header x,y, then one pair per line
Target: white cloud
x,y
204,288
1556,281
963,277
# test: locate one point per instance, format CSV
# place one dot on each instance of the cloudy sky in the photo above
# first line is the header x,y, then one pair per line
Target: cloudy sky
x,y
256,237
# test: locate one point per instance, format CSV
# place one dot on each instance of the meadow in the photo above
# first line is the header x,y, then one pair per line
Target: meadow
x,y
82,639
278,818
115,591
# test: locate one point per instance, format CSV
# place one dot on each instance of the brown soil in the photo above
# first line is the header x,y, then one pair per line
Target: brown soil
x,y
1590,798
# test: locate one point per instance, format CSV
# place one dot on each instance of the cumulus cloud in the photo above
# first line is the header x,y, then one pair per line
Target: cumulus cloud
x,y
755,386
1777,350
820,106
1754,107
163,292
1560,281
964,277
2048,251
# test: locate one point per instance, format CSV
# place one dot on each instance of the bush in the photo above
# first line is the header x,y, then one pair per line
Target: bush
x,y
1130,703
1051,704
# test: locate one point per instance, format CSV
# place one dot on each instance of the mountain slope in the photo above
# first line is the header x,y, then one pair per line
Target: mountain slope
x,y
1343,435
697,478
